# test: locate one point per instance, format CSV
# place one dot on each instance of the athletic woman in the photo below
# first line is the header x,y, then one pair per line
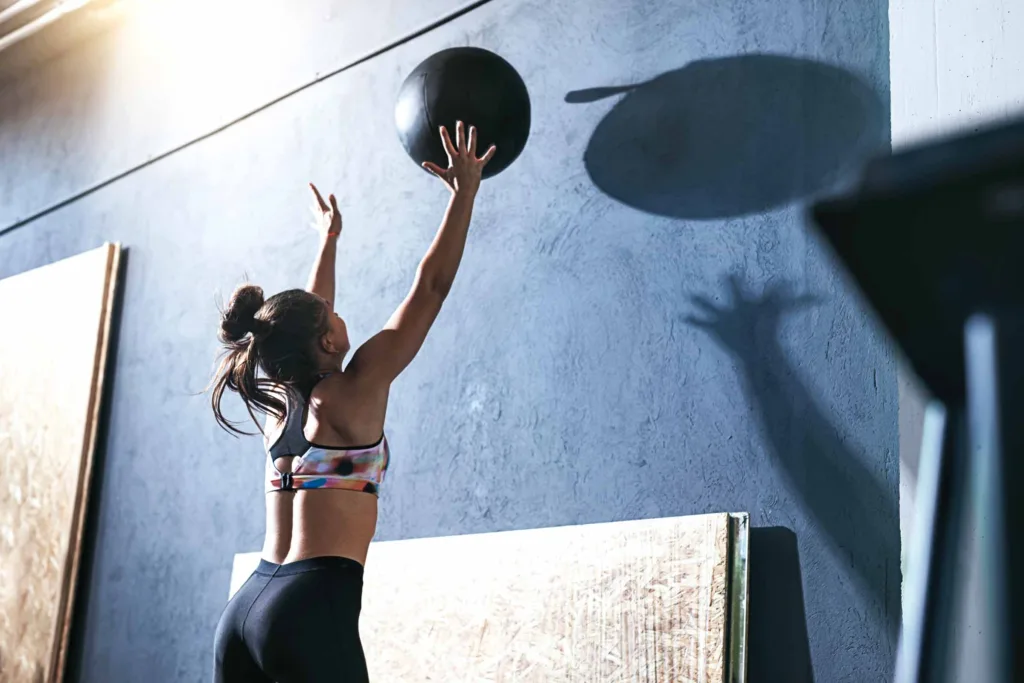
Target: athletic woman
x,y
296,618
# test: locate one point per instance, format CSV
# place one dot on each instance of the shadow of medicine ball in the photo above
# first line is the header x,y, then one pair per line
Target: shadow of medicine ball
x,y
732,136
465,84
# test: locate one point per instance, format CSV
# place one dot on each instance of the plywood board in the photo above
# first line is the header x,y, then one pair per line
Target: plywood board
x,y
52,359
646,601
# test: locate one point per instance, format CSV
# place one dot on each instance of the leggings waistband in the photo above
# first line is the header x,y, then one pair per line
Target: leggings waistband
x,y
310,564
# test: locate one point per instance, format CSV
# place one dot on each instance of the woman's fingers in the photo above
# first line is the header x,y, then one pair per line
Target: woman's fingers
x,y
435,169
488,155
449,148
319,200
460,136
472,142
334,205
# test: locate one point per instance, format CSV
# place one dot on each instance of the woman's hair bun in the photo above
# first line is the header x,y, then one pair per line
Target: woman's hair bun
x,y
239,318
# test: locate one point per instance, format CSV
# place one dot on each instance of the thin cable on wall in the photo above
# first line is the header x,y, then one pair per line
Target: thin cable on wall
x,y
437,23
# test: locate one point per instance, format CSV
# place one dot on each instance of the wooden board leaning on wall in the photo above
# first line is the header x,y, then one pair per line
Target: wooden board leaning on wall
x,y
52,365
654,600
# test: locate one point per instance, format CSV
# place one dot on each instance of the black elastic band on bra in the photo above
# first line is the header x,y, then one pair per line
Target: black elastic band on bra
x,y
349,448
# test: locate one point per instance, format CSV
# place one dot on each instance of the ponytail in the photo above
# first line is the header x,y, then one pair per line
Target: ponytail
x,y
242,328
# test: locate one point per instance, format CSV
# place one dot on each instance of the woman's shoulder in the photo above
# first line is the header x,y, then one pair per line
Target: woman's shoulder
x,y
331,387
341,383
344,390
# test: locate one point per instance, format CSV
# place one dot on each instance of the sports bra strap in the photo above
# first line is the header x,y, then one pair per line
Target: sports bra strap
x,y
292,440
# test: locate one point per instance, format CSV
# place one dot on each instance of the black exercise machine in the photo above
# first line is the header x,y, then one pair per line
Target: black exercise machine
x,y
934,238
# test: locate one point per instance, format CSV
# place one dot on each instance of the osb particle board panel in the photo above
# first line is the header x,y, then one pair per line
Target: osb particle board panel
x,y
50,385
646,601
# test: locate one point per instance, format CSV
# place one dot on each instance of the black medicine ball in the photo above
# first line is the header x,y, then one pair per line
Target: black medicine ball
x,y
465,84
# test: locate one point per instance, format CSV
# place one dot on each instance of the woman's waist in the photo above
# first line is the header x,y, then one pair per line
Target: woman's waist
x,y
332,514
336,564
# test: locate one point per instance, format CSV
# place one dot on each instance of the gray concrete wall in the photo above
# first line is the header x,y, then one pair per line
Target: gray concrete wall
x,y
643,325
164,73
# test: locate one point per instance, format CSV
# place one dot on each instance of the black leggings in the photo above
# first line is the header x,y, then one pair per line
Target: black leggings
x,y
294,623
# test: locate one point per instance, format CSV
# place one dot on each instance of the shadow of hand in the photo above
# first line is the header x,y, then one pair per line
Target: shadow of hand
x,y
838,489
749,321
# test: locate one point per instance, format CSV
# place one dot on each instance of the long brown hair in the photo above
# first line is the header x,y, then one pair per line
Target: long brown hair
x,y
277,336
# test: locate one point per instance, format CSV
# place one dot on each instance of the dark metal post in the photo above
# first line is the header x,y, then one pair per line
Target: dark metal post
x,y
940,502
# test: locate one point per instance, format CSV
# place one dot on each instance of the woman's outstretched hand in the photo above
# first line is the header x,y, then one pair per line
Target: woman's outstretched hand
x,y
464,167
327,216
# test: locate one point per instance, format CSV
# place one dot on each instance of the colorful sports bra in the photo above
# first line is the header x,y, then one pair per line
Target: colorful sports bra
x,y
360,468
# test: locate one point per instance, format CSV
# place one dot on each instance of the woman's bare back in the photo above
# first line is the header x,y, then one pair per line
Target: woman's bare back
x,y
326,522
